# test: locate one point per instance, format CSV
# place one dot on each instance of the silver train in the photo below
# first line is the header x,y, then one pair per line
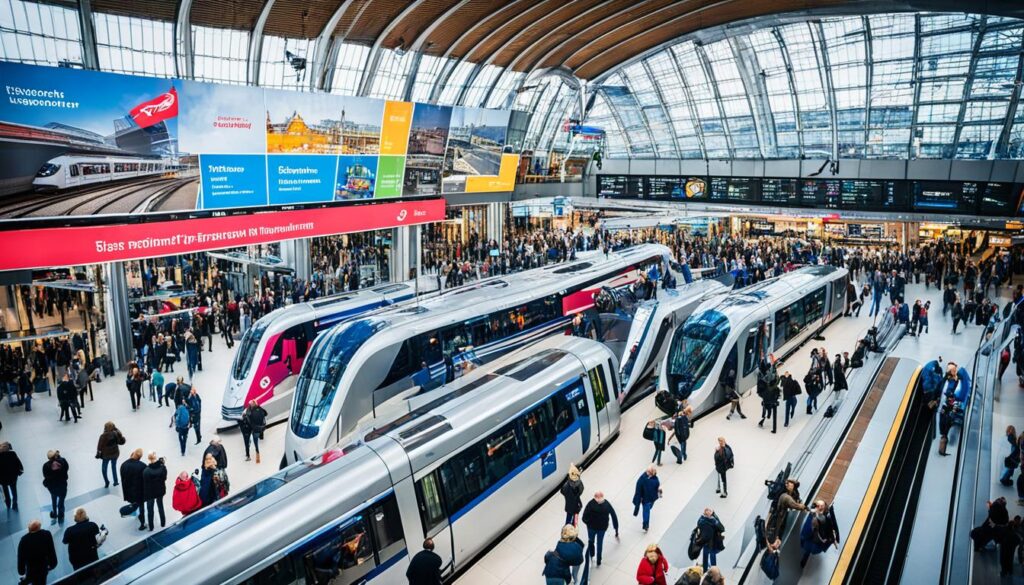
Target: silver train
x,y
72,170
653,322
271,353
357,367
721,344
461,469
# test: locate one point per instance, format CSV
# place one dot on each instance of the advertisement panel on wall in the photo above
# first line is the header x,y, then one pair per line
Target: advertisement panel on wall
x,y
76,142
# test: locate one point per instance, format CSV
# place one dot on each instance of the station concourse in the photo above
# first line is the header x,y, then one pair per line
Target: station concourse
x,y
387,291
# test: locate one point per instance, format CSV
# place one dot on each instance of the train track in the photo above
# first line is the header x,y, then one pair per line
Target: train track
x,y
80,197
127,198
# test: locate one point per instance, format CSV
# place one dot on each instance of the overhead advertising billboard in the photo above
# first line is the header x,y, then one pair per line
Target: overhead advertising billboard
x,y
76,142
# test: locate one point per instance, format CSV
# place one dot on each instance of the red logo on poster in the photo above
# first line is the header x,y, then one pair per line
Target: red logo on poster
x,y
156,110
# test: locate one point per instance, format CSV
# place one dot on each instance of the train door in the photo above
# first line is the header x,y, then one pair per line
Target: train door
x,y
433,512
600,390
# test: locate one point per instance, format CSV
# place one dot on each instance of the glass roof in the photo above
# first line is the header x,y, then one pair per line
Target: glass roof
x,y
907,85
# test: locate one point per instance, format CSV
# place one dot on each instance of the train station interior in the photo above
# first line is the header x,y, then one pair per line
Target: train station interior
x,y
501,292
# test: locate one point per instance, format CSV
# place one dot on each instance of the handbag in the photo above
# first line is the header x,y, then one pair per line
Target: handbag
x,y
101,537
649,433
693,551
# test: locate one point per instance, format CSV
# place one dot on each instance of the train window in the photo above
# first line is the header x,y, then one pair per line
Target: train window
x,y
597,384
615,378
428,495
293,338
503,454
75,170
564,415
387,527
456,338
119,168
781,326
537,428
464,477
280,572
754,351
345,555
814,306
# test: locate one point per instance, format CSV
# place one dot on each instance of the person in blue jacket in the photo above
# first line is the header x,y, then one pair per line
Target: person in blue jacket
x,y
958,383
931,381
648,490
568,554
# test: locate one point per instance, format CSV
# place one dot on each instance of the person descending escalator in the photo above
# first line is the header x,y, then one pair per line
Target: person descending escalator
x,y
819,531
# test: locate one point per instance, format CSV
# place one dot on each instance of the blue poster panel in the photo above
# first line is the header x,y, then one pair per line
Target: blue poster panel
x,y
233,180
300,178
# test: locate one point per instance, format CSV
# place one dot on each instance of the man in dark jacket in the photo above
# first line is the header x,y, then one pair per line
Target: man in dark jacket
x,y
425,566
154,486
131,484
723,463
81,540
55,480
36,555
648,490
595,516
10,469
768,384
681,431
220,455
790,390
711,533
195,410
67,397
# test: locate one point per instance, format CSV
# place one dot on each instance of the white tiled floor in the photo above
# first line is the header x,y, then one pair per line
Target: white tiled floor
x,y
33,433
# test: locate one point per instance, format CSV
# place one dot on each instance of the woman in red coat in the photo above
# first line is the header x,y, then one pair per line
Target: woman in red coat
x,y
653,567
186,497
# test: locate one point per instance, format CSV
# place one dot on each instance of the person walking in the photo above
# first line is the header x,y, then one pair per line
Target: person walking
x,y
83,538
958,314
185,498
254,421
724,461
568,553
711,533
839,375
425,566
812,382
653,568
768,384
595,516
572,492
108,450
790,391
156,388
182,422
10,469
216,449
131,484
55,480
1012,459
646,493
154,486
213,481
656,434
67,399
195,410
36,554
681,431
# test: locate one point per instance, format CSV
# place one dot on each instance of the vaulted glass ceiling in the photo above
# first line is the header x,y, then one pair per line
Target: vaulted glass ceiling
x,y
875,86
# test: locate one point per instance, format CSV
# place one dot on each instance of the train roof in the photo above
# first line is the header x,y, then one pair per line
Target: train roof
x,y
512,291
328,305
740,302
490,393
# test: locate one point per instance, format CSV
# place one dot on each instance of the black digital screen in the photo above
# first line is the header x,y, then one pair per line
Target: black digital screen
x,y
780,192
664,187
611,186
997,199
820,193
738,189
853,230
871,195
939,196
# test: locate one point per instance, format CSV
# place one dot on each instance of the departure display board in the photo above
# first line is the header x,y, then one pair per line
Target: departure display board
x,y
820,193
620,186
946,196
997,199
737,189
870,195
664,187
780,192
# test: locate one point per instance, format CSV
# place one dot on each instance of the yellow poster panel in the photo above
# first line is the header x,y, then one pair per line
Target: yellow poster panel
x,y
394,133
505,181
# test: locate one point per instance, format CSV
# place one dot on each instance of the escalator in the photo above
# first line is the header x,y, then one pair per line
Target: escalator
x,y
880,555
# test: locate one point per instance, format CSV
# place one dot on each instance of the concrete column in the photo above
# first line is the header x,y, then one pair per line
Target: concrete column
x,y
119,330
295,254
496,221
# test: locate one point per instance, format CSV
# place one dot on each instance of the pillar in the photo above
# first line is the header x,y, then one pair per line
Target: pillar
x,y
295,254
405,253
119,329
496,221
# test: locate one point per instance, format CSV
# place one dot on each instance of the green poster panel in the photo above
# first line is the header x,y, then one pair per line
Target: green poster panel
x,y
390,170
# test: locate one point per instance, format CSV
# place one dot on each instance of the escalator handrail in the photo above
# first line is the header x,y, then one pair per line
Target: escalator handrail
x,y
957,556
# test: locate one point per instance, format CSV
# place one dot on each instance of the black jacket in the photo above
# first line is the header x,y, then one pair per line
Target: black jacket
x,y
66,393
36,553
131,480
10,467
681,427
572,490
56,475
596,516
81,541
424,569
219,455
154,480
790,387
724,459
839,377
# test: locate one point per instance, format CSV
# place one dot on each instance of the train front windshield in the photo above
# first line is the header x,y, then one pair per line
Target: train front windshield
x,y
247,349
322,372
695,349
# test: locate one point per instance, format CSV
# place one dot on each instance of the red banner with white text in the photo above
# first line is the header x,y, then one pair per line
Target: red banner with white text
x,y
74,246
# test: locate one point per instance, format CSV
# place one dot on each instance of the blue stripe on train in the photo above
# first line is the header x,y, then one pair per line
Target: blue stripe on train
x,y
381,568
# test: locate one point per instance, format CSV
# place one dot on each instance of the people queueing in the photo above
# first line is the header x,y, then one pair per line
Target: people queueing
x,y
596,516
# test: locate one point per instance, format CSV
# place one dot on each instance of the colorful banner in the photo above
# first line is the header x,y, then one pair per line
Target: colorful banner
x,y
86,142
109,243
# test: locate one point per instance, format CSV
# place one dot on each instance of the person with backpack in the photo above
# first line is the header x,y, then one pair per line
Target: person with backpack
x,y
213,481
55,480
818,532
572,492
724,461
567,554
132,488
254,421
107,450
185,498
681,431
711,536
195,410
182,422
790,391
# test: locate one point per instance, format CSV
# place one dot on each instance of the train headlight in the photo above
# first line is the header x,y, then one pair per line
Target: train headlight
x,y
48,170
